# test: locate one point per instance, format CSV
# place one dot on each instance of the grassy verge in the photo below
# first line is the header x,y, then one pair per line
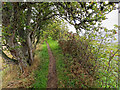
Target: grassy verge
x,y
42,71
62,69
13,78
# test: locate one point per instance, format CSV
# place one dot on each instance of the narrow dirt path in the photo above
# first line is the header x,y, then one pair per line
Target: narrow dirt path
x,y
52,75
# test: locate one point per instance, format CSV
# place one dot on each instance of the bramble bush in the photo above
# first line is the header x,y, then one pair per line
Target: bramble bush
x,y
94,57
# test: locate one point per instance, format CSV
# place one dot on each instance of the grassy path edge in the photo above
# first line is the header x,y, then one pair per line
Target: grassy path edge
x,y
42,72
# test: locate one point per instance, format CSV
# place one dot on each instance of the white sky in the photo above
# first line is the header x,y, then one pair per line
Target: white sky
x,y
112,19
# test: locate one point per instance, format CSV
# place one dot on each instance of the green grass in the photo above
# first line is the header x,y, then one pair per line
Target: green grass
x,y
42,72
62,70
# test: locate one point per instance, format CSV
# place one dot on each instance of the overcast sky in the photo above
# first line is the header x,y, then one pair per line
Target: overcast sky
x,y
112,19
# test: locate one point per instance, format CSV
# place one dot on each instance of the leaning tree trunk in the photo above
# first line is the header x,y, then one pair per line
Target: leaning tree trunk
x,y
30,49
29,31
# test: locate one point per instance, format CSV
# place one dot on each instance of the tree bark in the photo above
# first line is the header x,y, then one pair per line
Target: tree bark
x,y
29,31
30,49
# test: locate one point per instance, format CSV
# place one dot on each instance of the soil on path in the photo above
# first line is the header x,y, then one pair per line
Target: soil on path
x,y
52,75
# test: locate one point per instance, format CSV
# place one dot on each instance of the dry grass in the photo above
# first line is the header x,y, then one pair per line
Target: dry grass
x,y
12,78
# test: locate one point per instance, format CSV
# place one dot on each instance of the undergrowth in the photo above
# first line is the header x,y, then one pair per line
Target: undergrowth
x,y
42,71
13,78
66,79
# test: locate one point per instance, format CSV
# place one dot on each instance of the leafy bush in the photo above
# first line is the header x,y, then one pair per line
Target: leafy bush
x,y
97,58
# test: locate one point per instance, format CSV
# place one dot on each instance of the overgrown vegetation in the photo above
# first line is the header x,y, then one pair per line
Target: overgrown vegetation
x,y
66,68
101,67
13,78
42,70
83,59
74,72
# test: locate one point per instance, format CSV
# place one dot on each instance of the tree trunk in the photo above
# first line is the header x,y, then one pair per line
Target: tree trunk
x,y
30,49
29,31
11,40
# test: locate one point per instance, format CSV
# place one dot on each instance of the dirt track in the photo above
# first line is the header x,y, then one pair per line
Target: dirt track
x,y
52,75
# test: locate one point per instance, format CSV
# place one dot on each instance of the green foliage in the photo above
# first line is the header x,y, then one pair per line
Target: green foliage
x,y
55,29
106,58
97,56
108,68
